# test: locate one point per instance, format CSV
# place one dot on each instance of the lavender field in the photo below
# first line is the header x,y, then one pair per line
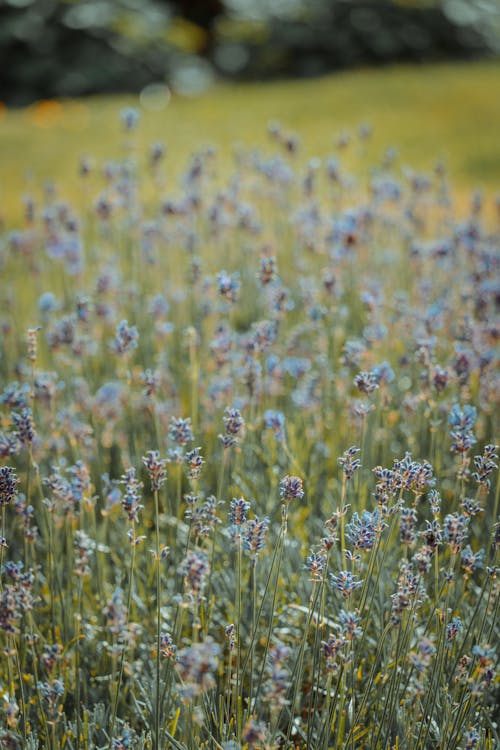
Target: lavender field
x,y
248,473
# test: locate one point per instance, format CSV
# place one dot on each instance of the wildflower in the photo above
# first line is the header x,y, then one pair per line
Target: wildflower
x,y
485,464
196,666
111,492
180,431
470,507
434,499
263,335
407,524
332,651
115,612
462,422
156,153
9,483
254,536
440,378
453,628
50,656
366,382
383,372
254,733
151,380
350,624
456,529
135,539
167,647
130,117
291,489
126,740
413,475
348,463
229,286
15,396
345,582
316,565
11,711
278,675
409,592
125,339
234,426
267,271
131,498
362,531
275,420
24,427
84,548
52,693
238,511
470,560
422,559
229,632
26,511
194,462
195,569
432,535
203,517
32,343
471,739
108,401
484,672
421,658
156,469
252,379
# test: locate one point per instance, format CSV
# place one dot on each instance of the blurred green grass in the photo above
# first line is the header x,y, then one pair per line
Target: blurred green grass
x,y
428,112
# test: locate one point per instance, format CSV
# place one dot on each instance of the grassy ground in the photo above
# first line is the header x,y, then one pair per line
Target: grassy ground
x,y
428,112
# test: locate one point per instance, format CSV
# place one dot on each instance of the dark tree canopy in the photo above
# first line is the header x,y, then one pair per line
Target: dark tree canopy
x,y
57,48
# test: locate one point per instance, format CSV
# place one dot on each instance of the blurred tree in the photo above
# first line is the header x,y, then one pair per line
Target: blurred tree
x,y
54,48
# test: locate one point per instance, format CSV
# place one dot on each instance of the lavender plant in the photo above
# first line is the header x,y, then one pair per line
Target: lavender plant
x,y
316,363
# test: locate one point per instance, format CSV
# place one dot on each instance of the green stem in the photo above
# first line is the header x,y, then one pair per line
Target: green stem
x,y
124,647
156,744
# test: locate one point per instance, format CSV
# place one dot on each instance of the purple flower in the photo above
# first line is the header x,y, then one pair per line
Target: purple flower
x,y
254,536
361,531
156,469
125,339
180,431
291,489
8,485
234,426
348,463
275,420
345,582
131,498
456,528
462,422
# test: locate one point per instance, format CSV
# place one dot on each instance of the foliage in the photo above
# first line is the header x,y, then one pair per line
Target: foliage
x,y
248,479
59,48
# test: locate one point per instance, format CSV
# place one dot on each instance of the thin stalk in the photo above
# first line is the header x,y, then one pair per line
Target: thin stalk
x,y
298,666
366,690
433,688
254,625
43,717
331,708
77,660
124,648
273,605
156,743
238,680
391,689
